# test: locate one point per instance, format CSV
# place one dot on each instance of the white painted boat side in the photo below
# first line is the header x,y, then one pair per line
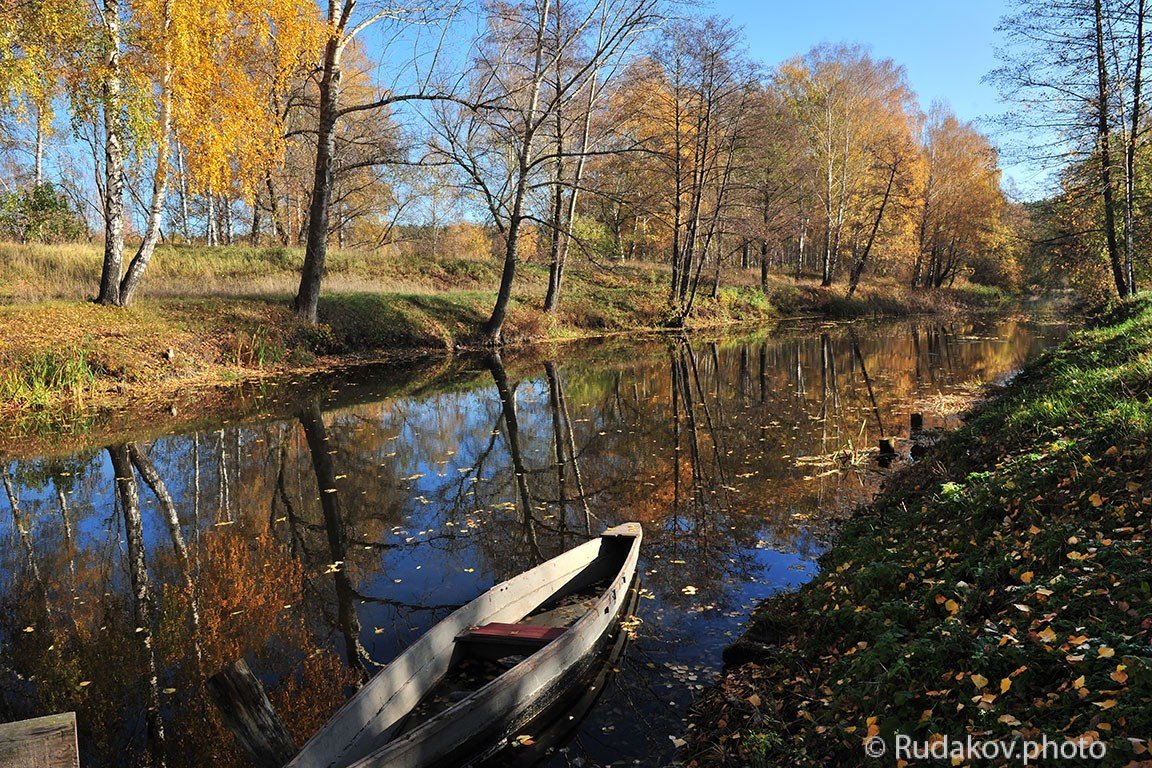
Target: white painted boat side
x,y
366,719
517,689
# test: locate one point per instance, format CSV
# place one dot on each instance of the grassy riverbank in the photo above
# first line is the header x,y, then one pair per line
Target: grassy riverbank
x,y
210,317
999,588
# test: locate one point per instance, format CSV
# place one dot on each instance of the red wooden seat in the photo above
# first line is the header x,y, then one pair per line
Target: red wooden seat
x,y
530,635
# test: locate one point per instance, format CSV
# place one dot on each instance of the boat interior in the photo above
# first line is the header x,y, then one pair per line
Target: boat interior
x,y
483,653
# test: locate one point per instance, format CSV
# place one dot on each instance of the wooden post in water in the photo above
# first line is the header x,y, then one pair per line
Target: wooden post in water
x,y
43,742
245,709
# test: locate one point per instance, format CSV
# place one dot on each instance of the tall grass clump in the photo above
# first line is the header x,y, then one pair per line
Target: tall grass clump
x,y
43,378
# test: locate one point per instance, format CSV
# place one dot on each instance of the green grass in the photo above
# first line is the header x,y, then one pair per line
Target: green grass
x,y
38,379
999,588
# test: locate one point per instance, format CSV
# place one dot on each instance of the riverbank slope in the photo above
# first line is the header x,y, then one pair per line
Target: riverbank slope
x,y
999,588
209,318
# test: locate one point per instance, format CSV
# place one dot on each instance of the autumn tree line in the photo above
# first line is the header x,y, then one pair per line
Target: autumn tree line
x,y
1075,70
603,131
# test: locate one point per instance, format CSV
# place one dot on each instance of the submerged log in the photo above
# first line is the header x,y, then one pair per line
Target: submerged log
x,y
246,710
43,742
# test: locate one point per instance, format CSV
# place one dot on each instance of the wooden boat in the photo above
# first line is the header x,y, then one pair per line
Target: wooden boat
x,y
539,615
558,725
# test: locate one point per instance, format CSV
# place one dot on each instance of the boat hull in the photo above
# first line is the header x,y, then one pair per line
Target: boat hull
x,y
363,733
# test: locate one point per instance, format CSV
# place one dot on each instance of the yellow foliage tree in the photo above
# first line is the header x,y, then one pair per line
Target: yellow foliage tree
x,y
213,70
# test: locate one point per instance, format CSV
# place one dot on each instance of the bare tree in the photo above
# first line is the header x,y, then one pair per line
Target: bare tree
x,y
702,88
1075,68
501,152
345,23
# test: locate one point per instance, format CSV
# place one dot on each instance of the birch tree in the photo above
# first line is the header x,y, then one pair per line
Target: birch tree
x,y
501,152
205,68
1075,70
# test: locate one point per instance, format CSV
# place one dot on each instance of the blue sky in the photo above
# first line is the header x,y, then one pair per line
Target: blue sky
x,y
946,47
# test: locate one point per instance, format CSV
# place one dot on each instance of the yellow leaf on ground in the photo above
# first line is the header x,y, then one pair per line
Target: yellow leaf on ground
x,y
1096,500
1005,684
979,681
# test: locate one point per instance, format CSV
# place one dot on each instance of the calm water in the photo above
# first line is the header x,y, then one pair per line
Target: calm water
x,y
319,539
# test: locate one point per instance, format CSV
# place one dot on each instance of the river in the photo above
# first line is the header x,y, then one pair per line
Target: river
x,y
346,515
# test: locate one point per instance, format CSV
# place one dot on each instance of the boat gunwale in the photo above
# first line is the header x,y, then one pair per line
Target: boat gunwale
x,y
583,554
615,590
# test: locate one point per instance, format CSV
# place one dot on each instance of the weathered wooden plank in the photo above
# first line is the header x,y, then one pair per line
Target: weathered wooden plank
x,y
43,742
245,709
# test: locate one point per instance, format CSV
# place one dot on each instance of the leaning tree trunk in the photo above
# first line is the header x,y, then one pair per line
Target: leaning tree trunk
x,y
1130,154
316,249
147,247
113,161
858,264
494,329
1102,136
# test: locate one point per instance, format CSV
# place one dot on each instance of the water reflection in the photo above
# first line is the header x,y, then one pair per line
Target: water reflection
x,y
319,541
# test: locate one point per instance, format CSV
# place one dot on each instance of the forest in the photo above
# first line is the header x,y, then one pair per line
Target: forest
x,y
599,133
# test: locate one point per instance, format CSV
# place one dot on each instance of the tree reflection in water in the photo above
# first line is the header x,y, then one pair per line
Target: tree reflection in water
x,y
363,511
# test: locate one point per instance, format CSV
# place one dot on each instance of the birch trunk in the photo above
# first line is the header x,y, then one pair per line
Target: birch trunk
x,y
113,161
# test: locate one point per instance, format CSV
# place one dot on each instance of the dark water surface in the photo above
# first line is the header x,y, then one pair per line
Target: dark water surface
x,y
319,541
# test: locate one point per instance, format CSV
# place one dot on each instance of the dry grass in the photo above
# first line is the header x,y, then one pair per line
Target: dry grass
x,y
34,273
212,315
